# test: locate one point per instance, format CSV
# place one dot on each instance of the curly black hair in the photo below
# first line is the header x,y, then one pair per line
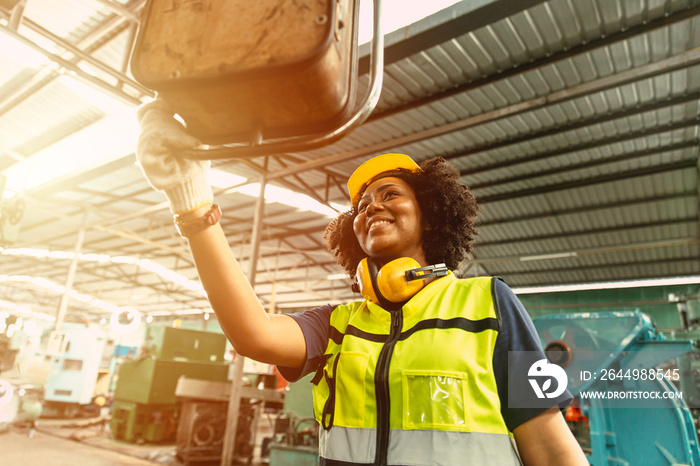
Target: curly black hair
x,y
448,208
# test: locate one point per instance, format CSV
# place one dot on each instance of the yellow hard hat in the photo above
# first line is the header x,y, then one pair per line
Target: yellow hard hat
x,y
375,166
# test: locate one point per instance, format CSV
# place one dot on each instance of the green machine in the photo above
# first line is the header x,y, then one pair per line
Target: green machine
x,y
145,408
295,441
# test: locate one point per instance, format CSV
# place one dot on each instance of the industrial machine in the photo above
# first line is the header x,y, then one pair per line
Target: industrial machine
x,y
689,364
145,408
202,426
278,76
75,367
620,357
8,348
119,354
295,440
20,404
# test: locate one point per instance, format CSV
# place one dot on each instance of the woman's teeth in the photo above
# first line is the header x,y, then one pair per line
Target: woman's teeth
x,y
378,223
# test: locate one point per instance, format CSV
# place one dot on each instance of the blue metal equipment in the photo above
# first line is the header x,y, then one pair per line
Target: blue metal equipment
x,y
70,386
616,353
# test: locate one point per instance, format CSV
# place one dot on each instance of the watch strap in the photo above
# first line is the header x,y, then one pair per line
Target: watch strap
x,y
187,229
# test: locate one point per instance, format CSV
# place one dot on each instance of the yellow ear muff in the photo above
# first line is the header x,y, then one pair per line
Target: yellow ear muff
x,y
363,275
392,283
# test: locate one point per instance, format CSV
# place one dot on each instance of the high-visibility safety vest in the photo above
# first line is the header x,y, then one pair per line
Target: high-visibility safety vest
x,y
415,386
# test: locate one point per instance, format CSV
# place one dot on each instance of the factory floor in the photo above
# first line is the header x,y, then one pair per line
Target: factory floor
x,y
88,441
19,448
54,442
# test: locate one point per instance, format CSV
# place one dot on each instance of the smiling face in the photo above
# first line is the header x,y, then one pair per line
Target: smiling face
x,y
389,223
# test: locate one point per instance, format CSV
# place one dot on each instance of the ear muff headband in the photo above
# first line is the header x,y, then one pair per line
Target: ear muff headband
x,y
397,281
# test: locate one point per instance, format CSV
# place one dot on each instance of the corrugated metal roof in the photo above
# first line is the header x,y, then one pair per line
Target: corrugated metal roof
x,y
575,123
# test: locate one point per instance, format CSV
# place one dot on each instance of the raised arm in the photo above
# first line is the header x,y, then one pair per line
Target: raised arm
x,y
273,339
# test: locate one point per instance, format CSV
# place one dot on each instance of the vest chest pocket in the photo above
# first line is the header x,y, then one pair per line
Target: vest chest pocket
x,y
350,389
435,400
339,391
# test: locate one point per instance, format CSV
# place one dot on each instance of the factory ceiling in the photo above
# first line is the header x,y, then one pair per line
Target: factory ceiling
x,y
575,124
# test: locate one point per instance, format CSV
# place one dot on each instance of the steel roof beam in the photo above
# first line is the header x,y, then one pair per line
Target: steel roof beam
x,y
623,175
643,132
644,28
676,62
573,253
454,21
68,65
590,268
96,36
590,232
692,144
591,208
665,66
122,10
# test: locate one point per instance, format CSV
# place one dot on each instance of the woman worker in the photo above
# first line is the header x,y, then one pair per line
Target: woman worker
x,y
417,372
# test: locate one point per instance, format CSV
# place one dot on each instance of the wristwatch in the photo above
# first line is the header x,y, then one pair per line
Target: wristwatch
x,y
187,229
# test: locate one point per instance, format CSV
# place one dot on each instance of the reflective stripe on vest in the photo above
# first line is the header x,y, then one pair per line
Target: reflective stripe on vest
x,y
416,379
412,447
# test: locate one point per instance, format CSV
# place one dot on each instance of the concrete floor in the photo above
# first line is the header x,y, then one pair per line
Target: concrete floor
x,y
40,449
87,442
77,442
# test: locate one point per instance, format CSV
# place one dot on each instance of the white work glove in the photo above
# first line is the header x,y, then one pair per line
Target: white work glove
x,y
184,181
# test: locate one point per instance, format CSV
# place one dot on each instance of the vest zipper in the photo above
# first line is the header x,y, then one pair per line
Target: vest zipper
x,y
381,383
